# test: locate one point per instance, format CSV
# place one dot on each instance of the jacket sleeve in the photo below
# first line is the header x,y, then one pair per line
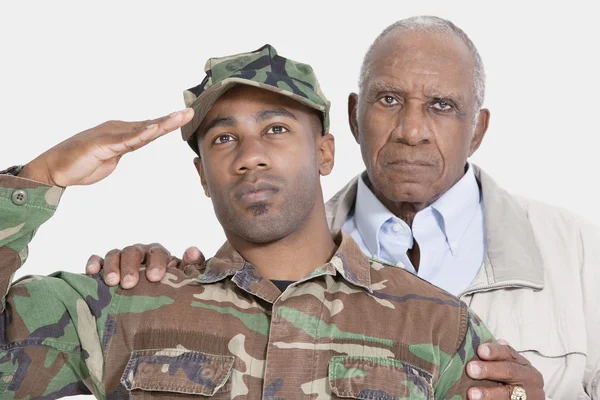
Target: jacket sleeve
x,y
24,206
590,280
454,382
50,326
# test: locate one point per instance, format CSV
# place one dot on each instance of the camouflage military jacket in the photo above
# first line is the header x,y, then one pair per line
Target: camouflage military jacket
x,y
353,328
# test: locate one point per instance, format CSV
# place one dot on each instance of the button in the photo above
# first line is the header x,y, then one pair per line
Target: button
x,y
400,265
396,227
147,370
19,197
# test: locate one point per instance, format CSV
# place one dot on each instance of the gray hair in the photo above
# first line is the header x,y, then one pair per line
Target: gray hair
x,y
438,25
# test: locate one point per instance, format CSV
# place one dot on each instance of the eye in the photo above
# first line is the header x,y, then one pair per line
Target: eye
x,y
224,138
442,105
388,100
277,130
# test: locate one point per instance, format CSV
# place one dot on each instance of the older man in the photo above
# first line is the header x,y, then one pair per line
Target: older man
x,y
528,269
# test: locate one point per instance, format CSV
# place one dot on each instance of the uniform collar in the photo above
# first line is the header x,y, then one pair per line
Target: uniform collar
x,y
349,262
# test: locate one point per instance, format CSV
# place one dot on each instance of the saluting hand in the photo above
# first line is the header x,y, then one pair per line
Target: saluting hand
x,y
92,155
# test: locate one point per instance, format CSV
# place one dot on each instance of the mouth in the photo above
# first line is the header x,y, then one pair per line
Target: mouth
x,y
257,196
409,164
255,192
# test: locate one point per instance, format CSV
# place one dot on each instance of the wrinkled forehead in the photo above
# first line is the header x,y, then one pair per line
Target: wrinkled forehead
x,y
433,58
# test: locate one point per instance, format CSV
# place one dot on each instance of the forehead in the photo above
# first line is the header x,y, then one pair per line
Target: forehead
x,y
423,59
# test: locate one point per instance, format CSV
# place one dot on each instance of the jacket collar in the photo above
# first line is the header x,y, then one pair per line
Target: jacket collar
x,y
513,257
348,261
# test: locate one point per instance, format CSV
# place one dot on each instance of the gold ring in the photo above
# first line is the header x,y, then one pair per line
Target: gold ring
x,y
518,393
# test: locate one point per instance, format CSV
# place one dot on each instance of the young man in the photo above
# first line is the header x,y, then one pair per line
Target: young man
x,y
285,309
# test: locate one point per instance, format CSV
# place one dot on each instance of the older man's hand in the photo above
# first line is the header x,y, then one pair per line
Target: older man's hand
x,y
122,266
500,362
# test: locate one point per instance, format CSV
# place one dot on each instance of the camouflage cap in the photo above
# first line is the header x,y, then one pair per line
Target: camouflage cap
x,y
262,68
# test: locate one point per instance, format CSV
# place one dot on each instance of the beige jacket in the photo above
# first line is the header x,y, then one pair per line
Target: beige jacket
x,y
539,287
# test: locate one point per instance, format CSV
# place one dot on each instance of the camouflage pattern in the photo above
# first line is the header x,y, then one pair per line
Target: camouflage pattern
x,y
353,328
262,68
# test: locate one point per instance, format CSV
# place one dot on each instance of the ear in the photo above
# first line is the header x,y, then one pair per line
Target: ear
x,y
483,120
326,154
353,114
200,169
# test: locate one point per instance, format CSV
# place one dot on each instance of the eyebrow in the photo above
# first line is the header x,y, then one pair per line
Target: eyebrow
x,y
227,121
258,117
272,113
381,86
444,95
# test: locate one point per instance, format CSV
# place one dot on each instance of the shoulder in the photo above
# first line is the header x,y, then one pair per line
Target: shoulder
x,y
406,281
442,317
60,290
504,205
558,225
555,214
60,304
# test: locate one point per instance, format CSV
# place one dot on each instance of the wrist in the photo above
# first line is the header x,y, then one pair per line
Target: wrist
x,y
14,171
36,171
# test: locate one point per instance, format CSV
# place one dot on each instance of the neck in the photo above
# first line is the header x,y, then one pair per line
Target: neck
x,y
406,210
294,256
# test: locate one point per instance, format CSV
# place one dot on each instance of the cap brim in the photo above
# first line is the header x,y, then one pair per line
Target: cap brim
x,y
207,99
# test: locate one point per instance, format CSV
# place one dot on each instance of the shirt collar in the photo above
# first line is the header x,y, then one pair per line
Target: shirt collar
x,y
455,210
348,261
369,214
457,207
512,254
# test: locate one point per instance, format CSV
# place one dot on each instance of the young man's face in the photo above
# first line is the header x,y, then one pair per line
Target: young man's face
x,y
261,155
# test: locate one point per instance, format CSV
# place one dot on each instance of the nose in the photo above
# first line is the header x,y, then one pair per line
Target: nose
x,y
412,128
252,156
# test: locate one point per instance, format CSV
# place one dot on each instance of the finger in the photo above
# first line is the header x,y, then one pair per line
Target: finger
x,y
504,371
137,138
192,255
157,259
502,341
112,259
94,265
132,258
122,127
173,262
500,352
490,393
175,120
139,125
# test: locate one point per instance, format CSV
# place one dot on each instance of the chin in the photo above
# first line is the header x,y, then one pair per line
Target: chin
x,y
407,193
261,227
258,209
262,234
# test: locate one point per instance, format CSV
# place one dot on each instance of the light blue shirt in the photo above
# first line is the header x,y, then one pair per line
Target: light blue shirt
x,y
450,233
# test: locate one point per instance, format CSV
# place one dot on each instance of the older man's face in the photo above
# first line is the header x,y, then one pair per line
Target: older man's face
x,y
415,117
